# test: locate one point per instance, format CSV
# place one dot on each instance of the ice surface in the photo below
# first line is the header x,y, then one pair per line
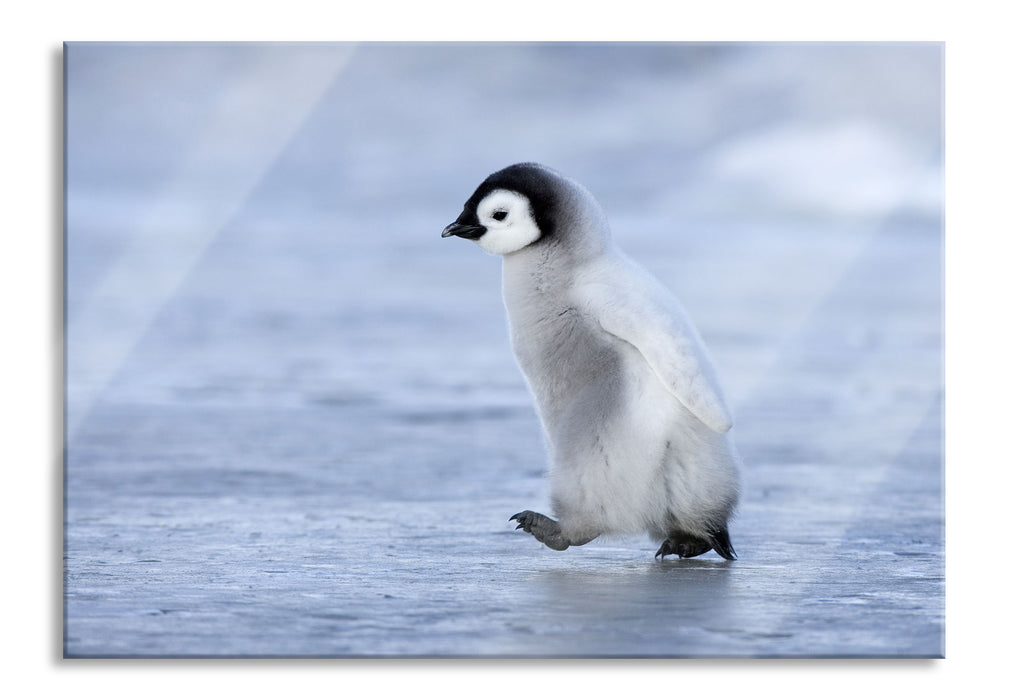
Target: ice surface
x,y
294,423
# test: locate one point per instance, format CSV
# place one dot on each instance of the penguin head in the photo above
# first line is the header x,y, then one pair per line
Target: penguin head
x,y
512,209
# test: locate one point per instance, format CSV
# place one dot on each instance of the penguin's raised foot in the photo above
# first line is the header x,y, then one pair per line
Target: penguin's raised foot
x,y
546,530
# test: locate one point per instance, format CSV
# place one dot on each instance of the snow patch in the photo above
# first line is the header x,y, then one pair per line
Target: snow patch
x,y
849,168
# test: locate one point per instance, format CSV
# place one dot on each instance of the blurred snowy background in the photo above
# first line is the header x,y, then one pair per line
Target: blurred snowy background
x,y
266,334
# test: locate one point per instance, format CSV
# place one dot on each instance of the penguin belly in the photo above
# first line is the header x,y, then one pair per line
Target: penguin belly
x,y
625,456
609,457
606,420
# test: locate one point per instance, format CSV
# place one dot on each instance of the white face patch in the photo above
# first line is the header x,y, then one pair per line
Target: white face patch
x,y
508,218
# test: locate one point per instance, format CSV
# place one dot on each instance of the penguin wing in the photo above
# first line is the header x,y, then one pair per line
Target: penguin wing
x,y
643,313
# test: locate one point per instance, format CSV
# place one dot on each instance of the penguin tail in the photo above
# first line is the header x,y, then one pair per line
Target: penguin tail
x,y
722,544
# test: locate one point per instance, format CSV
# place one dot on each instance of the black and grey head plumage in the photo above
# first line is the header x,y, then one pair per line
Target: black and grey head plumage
x,y
558,205
540,184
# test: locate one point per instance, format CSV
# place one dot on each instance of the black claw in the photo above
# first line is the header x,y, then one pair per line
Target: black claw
x,y
666,548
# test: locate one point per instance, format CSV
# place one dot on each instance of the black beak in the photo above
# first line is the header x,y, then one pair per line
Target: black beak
x,y
463,230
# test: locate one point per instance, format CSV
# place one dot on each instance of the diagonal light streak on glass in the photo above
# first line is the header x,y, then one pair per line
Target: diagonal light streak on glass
x,y
810,280
886,395
253,119
835,275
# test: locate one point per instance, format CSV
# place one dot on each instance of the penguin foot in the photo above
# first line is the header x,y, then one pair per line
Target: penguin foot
x,y
546,530
682,545
685,546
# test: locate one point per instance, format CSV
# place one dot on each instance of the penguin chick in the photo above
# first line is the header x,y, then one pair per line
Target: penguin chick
x,y
636,425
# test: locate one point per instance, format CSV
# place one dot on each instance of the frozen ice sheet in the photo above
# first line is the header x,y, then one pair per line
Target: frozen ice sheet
x,y
294,424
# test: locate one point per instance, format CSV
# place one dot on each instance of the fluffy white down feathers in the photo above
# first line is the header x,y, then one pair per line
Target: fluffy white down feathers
x,y
636,424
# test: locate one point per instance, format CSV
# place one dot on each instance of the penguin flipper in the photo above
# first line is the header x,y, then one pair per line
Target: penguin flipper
x,y
646,315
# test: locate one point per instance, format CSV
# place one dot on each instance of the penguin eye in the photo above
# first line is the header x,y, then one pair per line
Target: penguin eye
x,y
499,215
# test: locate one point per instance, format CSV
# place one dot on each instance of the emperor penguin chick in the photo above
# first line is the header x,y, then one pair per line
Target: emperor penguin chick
x,y
636,425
